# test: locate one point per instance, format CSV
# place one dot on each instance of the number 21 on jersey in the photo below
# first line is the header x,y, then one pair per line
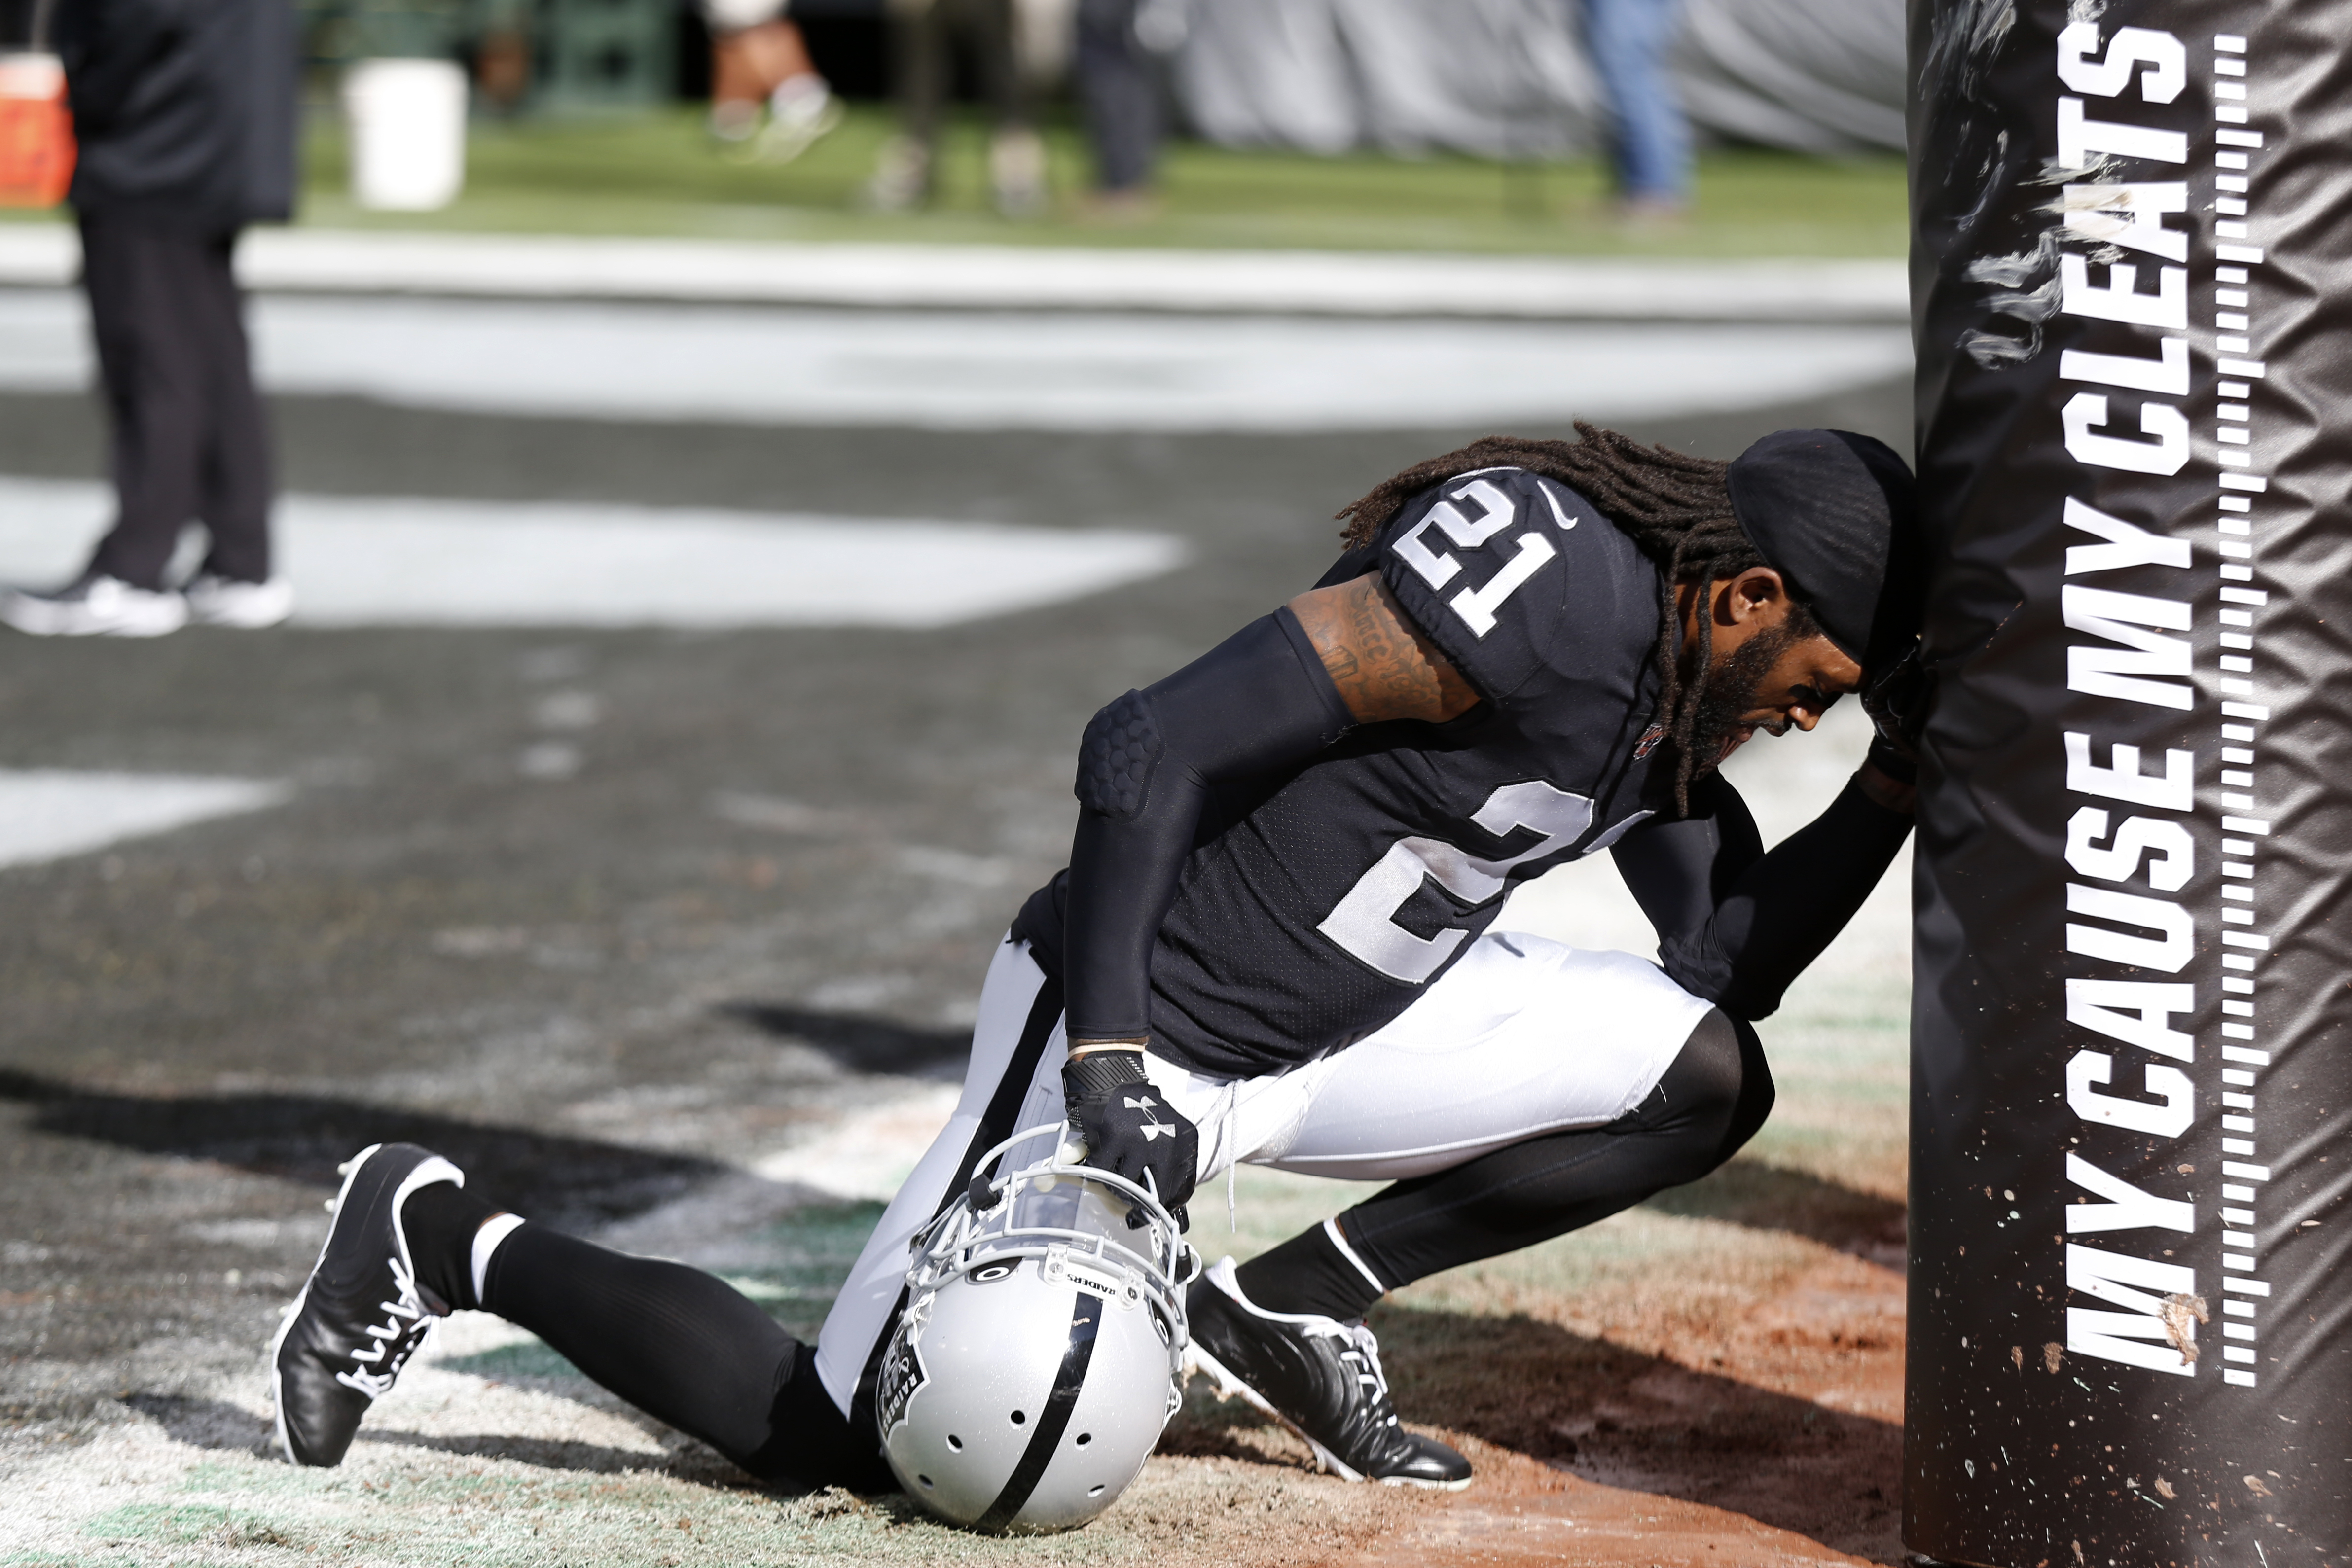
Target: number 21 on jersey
x,y
1476,606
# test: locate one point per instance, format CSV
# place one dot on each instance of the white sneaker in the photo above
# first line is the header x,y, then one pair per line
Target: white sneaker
x,y
248,606
799,112
96,606
1016,171
902,177
735,122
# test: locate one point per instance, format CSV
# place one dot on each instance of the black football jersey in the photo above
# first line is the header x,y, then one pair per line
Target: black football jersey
x,y
1316,906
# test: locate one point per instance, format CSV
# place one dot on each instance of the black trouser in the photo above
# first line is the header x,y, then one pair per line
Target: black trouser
x,y
191,442
925,33
1120,83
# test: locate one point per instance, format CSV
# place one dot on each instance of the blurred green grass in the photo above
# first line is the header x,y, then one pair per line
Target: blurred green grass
x,y
659,174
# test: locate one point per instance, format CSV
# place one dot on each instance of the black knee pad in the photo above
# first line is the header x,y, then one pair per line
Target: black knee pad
x,y
1756,1093
1721,1083
1711,1067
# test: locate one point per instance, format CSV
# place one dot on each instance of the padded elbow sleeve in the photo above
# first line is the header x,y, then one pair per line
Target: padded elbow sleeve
x,y
1121,749
1258,703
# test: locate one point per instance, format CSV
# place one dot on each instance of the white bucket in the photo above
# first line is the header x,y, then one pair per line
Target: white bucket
x,y
35,76
408,133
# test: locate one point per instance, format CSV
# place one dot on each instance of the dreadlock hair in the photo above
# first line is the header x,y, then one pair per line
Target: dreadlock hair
x,y
1676,508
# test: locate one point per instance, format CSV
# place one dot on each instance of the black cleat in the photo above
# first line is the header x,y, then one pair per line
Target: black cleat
x,y
1318,1376
360,1315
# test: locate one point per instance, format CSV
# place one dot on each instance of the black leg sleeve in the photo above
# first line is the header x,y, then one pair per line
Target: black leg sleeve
x,y
686,1347
919,41
1309,1273
1710,1101
991,24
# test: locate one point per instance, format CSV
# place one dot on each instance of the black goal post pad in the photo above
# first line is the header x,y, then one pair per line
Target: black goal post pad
x,y
2130,1313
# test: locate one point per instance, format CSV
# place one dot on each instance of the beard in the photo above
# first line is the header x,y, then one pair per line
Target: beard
x,y
1731,693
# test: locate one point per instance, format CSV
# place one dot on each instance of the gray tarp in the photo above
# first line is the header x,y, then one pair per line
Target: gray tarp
x,y
1511,78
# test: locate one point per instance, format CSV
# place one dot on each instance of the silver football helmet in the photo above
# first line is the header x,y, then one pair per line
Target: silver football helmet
x,y
1041,1349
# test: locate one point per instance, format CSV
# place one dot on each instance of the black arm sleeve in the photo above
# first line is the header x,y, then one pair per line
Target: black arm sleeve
x,y
1260,702
1739,945
1679,869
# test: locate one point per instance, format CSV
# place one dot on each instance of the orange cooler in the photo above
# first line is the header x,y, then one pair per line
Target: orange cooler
x,y
37,144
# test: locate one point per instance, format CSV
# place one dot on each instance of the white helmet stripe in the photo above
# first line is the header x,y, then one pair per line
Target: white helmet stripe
x,y
1086,1317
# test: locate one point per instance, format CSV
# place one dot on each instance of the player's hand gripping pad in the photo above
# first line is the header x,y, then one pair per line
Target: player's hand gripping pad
x,y
1129,1129
1897,703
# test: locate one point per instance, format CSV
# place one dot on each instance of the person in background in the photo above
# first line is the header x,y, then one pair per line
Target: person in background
x,y
924,33
185,116
501,55
758,60
1649,136
1118,45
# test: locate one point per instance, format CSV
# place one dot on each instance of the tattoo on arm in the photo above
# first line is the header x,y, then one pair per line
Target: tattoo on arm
x,y
1383,666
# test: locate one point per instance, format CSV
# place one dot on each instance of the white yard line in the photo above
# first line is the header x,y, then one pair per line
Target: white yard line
x,y
357,560
1035,370
49,814
1318,283
871,1152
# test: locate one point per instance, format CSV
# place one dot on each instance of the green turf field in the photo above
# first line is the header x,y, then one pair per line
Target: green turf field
x,y
660,174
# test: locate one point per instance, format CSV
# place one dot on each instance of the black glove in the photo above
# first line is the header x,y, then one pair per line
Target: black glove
x,y
1897,703
1884,756
1129,1129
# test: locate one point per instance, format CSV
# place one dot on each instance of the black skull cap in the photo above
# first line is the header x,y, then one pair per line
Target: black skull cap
x,y
1831,512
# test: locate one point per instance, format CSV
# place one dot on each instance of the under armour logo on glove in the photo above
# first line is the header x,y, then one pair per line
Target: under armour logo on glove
x,y
1132,1136
1152,1130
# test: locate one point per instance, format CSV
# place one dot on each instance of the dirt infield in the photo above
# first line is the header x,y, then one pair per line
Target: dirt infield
x,y
1778,1442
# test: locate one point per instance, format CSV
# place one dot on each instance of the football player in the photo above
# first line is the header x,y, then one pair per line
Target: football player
x,y
1273,944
